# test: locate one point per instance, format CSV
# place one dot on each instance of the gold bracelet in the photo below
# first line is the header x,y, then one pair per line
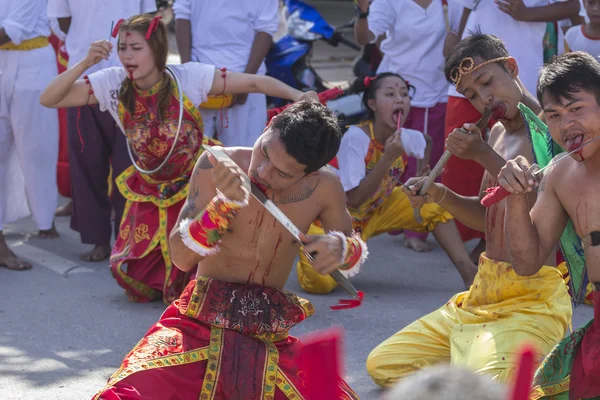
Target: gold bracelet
x,y
444,196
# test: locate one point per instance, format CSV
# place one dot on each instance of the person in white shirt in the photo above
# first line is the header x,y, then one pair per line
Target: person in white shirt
x,y
28,131
586,37
521,25
413,33
232,34
143,100
95,141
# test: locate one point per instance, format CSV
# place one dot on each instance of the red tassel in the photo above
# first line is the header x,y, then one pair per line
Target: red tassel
x,y
368,79
115,31
153,26
494,195
347,304
523,379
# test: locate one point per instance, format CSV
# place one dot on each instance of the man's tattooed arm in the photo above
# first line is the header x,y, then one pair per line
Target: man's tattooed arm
x,y
189,209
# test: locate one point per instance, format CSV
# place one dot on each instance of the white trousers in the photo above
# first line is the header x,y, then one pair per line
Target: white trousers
x,y
245,123
28,137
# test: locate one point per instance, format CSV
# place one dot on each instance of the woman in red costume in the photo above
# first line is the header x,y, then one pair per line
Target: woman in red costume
x,y
144,97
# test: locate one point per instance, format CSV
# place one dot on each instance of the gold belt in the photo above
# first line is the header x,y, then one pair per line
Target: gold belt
x,y
217,102
31,44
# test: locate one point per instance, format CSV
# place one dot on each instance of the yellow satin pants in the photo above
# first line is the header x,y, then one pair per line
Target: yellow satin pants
x,y
395,213
481,329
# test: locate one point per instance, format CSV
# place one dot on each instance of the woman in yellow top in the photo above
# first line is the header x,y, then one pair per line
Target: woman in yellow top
x,y
370,164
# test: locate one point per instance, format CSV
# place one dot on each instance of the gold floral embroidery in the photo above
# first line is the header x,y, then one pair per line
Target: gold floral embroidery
x,y
125,231
141,233
158,147
139,108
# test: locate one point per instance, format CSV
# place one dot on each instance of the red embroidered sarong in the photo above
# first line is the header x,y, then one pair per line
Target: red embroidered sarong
x,y
572,369
220,340
154,201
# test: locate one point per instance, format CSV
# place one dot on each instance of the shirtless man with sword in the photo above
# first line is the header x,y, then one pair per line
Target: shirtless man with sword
x,y
244,257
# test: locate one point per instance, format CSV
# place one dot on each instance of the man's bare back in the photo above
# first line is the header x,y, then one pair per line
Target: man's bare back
x,y
256,248
508,145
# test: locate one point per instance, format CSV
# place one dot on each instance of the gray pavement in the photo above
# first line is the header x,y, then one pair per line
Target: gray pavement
x,y
66,325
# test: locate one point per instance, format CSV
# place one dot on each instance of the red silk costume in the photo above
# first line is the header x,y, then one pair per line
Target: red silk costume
x,y
220,340
154,201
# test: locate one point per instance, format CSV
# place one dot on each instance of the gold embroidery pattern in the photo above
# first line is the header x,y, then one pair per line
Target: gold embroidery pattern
x,y
270,372
141,233
125,231
213,367
287,387
158,148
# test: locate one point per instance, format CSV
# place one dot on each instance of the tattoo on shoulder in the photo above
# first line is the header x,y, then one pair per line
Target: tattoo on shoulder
x,y
189,209
542,185
204,163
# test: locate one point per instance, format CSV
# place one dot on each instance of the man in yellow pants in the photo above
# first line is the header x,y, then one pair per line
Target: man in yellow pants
x,y
482,329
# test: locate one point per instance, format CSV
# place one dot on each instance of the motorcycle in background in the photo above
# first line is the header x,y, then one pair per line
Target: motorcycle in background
x,y
290,56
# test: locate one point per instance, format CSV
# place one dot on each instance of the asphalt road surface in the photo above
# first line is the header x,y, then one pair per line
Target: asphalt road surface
x,y
66,325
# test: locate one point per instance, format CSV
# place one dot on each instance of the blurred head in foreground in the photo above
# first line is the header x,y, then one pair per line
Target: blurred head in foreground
x,y
447,383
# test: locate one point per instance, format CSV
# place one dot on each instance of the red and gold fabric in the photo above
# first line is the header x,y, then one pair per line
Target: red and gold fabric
x,y
220,340
62,171
154,201
203,233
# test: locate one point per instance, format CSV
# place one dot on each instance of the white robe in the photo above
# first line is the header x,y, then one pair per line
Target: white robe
x,y
222,35
28,131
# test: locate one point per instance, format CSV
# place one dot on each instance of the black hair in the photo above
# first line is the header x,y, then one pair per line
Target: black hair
x,y
477,44
310,133
569,73
358,86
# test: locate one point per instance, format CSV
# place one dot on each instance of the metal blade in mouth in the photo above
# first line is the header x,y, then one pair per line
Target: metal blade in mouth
x,y
566,155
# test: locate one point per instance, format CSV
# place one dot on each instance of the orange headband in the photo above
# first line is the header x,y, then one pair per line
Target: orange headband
x,y
467,66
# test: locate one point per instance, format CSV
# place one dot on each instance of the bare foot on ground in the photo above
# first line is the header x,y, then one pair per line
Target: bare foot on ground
x,y
65,210
417,245
9,260
48,233
98,253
